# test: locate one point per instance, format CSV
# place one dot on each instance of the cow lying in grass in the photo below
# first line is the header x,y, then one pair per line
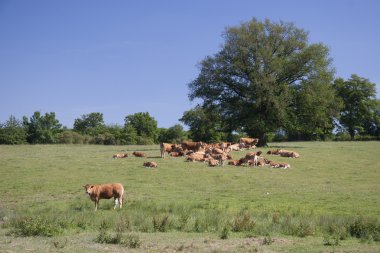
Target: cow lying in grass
x,y
105,191
150,165
122,155
138,154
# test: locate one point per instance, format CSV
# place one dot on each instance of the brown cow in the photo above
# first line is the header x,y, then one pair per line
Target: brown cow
x,y
150,165
290,154
138,154
190,145
213,162
234,162
248,142
122,155
166,147
105,191
176,154
233,147
200,157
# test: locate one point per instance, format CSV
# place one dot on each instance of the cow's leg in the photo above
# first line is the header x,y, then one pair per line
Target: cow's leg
x,y
121,201
115,202
96,204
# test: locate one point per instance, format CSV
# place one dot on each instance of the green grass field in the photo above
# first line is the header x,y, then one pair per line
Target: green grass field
x,y
329,200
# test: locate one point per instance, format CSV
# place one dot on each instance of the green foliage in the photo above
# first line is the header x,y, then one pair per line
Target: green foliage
x,y
174,134
243,222
205,124
35,226
89,123
365,228
42,129
12,132
129,240
70,137
144,124
316,107
267,240
360,111
252,81
161,222
224,234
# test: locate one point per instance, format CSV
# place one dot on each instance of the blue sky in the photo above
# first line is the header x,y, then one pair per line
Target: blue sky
x,y
75,57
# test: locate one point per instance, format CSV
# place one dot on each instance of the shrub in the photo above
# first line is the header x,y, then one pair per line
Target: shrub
x,y
225,232
243,222
35,226
267,240
161,222
104,236
300,227
365,228
132,241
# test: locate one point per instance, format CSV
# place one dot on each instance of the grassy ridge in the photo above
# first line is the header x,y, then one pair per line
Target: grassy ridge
x,y
326,189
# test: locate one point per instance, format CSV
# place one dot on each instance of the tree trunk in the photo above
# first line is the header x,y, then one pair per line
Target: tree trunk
x,y
262,140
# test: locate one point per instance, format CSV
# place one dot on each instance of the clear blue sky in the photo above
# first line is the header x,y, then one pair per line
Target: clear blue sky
x,y
75,57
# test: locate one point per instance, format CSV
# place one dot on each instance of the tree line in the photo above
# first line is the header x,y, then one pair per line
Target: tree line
x,y
267,81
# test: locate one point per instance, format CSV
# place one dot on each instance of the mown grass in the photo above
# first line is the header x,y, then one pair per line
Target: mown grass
x,y
330,193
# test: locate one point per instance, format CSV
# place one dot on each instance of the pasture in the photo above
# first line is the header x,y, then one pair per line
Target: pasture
x,y
329,200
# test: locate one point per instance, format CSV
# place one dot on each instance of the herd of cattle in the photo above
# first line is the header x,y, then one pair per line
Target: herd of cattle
x,y
213,154
217,154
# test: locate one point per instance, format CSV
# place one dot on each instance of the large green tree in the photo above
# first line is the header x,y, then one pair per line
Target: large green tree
x,y
12,132
205,124
42,129
92,124
314,113
144,124
360,112
174,134
253,79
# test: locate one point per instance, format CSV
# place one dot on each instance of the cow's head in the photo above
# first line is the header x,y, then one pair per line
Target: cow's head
x,y
88,188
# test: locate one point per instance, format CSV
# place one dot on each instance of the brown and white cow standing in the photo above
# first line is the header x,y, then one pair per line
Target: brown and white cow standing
x,y
166,147
190,145
105,191
248,142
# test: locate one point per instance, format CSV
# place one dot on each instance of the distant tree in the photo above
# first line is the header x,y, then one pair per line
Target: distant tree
x,y
252,80
174,134
315,110
12,132
144,124
42,129
204,124
91,124
360,107
129,135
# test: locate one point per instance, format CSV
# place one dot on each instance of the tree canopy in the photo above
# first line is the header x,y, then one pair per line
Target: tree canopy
x,y
42,129
360,112
253,81
89,123
144,124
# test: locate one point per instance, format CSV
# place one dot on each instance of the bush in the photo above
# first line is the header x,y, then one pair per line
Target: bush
x,y
225,232
144,140
243,222
132,241
35,226
365,228
161,222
